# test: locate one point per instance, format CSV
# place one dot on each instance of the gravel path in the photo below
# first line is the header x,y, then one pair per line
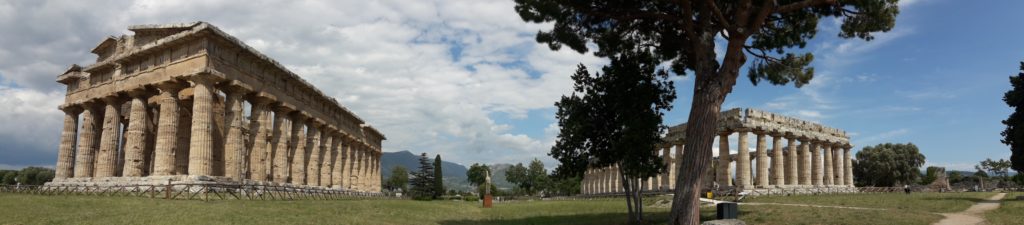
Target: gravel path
x,y
973,214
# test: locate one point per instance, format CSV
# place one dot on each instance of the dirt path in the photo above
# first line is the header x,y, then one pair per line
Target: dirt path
x,y
972,215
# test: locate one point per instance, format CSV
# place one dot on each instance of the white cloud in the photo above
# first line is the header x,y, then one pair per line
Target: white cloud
x,y
429,74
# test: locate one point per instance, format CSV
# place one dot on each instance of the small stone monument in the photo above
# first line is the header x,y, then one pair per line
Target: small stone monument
x,y
487,189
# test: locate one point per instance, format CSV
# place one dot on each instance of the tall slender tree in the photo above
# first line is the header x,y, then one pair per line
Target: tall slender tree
x,y
423,180
615,119
1013,135
684,33
438,177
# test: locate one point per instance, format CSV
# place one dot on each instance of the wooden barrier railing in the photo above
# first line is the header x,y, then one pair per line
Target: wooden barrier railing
x,y
200,192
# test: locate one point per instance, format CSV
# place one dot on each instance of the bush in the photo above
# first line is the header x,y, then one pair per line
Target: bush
x,y
470,198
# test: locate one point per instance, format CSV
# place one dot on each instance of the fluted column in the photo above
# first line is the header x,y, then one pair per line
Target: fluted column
x,y
743,161
674,173
778,162
167,129
805,162
792,162
134,148
66,150
341,163
666,156
106,159
723,160
329,150
827,162
200,158
234,143
315,146
260,134
838,170
299,154
848,165
85,158
181,155
281,137
762,160
816,165
357,166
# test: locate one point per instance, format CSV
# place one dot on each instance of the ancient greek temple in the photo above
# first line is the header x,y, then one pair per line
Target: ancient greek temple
x,y
820,160
190,103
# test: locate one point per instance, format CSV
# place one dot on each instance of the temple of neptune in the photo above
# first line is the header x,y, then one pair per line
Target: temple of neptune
x,y
802,156
188,103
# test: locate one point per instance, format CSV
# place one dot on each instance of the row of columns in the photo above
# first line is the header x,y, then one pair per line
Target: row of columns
x,y
205,136
811,163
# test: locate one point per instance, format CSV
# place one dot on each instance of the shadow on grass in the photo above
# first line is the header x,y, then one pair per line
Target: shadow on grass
x,y
975,200
598,218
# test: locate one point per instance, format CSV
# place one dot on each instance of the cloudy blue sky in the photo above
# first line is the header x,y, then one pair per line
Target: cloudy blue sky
x,y
465,79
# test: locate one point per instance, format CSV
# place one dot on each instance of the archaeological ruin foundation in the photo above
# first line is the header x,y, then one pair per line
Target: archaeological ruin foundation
x,y
189,103
820,161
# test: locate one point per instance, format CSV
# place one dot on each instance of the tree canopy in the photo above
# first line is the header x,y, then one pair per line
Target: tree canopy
x,y
888,164
399,179
528,179
477,173
684,34
999,167
1012,135
423,186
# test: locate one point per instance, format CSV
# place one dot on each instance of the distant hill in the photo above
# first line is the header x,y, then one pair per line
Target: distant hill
x,y
454,173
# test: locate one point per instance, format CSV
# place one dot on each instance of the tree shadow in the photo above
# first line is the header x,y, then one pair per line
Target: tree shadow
x,y
596,219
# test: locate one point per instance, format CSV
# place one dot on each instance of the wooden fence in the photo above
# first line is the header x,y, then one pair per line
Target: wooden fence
x,y
199,192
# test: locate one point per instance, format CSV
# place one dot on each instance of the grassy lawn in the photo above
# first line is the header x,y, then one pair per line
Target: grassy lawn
x,y
34,209
1010,212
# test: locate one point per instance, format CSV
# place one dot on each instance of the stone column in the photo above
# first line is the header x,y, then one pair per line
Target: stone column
x,y
315,146
364,181
134,148
838,170
106,160
778,162
281,137
357,166
762,160
299,154
167,129
85,158
674,173
340,175
200,158
666,156
329,150
743,162
181,155
66,150
234,143
816,163
792,163
827,162
724,179
260,130
805,161
848,165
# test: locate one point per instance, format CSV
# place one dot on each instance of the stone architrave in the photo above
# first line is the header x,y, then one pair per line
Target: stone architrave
x,y
106,159
66,150
134,148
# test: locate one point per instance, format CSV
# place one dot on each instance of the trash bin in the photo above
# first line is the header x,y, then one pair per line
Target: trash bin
x,y
727,210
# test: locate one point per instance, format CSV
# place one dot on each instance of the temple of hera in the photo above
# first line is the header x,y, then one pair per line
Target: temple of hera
x,y
821,159
187,103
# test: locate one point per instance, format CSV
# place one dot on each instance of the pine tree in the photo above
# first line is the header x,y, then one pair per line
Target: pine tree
x,y
423,180
1013,136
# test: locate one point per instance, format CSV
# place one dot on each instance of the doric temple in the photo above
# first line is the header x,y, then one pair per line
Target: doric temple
x,y
820,161
190,103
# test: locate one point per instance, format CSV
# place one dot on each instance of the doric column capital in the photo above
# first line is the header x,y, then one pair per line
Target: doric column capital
x,y
139,92
236,87
205,78
283,108
171,86
71,109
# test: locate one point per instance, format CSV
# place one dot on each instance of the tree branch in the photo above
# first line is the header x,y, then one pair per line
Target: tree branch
x,y
803,4
719,15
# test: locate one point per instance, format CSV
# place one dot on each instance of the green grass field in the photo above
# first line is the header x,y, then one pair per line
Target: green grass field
x,y
1011,211
35,209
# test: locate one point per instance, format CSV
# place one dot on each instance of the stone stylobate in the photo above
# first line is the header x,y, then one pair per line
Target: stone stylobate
x,y
179,94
